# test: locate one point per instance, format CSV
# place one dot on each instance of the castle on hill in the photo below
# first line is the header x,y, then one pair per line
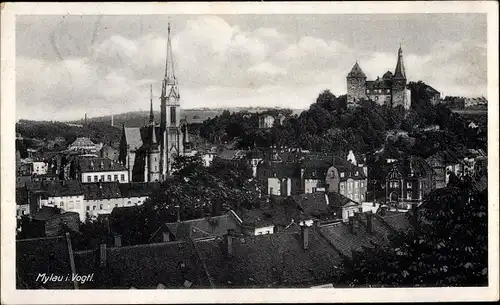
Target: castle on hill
x,y
390,90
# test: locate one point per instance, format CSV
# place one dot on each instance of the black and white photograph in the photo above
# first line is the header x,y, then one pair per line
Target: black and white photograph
x,y
312,150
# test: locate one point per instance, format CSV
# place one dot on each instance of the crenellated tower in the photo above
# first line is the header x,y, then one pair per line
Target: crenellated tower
x,y
171,136
356,85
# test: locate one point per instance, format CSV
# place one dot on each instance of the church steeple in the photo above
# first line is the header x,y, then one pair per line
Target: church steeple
x,y
169,86
399,73
151,114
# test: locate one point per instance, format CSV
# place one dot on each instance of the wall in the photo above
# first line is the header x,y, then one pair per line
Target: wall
x,y
92,175
105,206
39,168
355,89
67,203
313,185
354,189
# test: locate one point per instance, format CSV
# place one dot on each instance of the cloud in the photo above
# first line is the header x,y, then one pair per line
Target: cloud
x,y
219,64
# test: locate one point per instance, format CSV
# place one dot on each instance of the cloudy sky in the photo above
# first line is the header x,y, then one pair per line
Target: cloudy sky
x,y
69,65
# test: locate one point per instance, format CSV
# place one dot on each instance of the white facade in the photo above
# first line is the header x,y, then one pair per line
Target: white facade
x,y
73,203
121,176
39,168
106,206
275,186
312,186
264,230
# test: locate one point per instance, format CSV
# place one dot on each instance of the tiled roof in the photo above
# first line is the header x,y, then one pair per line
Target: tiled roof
x,y
256,217
339,200
138,189
99,165
232,154
133,137
144,266
397,221
420,167
274,260
202,228
82,141
21,196
379,84
314,204
56,188
346,241
356,71
99,191
42,255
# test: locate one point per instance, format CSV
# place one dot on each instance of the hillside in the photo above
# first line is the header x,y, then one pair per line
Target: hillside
x,y
193,116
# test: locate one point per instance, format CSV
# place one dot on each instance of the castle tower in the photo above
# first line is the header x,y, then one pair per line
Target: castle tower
x,y
356,85
171,135
399,94
153,162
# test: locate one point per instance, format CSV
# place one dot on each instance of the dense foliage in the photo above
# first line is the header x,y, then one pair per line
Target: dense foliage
x,y
196,191
448,246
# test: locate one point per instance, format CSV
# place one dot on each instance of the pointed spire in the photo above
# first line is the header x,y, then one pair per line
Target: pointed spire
x,y
356,71
169,64
151,114
399,73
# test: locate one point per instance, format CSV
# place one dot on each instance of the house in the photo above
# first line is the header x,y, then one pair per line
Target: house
x,y
409,181
232,156
266,121
101,170
203,228
313,175
279,178
39,168
347,179
23,204
83,144
108,152
49,221
66,195
444,163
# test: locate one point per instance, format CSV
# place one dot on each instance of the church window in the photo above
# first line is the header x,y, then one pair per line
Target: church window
x,y
173,119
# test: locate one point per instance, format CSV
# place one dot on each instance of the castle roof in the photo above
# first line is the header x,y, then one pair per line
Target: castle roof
x,y
399,73
356,71
379,84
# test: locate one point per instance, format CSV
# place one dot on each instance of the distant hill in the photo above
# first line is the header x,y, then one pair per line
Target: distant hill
x,y
193,116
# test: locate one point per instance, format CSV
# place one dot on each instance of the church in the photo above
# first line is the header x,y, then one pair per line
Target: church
x,y
148,152
390,90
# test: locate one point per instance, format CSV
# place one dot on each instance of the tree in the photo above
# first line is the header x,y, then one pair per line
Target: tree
x,y
446,247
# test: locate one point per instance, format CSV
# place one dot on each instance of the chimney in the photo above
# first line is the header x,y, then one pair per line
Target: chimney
x,y
118,240
102,255
166,236
229,245
305,236
178,212
369,226
351,224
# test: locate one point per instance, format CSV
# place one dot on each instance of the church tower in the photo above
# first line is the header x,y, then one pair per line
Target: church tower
x,y
153,151
171,136
356,85
399,94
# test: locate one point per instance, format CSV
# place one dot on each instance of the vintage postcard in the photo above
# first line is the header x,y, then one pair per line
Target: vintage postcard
x,y
249,152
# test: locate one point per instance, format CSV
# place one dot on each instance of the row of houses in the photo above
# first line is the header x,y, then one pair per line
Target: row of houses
x,y
85,199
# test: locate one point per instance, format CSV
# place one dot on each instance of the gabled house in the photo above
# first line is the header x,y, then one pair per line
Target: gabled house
x,y
348,179
409,181
279,178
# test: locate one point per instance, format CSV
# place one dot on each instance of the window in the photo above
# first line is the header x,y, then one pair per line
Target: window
x,y
116,205
270,191
156,168
93,208
89,178
100,206
356,184
95,178
109,177
122,177
362,184
173,119
115,177
61,204
129,202
408,195
23,212
314,190
342,174
88,208
102,177
408,185
155,159
341,186
356,196
362,196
